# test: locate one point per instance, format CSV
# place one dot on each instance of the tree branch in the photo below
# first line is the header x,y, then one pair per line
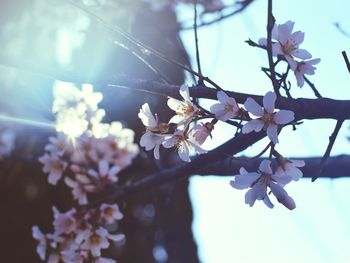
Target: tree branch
x,y
336,167
184,170
323,108
244,4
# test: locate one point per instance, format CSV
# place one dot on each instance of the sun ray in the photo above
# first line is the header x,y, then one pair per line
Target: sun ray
x,y
24,121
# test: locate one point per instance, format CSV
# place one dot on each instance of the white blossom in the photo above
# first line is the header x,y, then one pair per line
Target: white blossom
x,y
227,107
185,110
200,132
105,173
153,137
110,213
59,144
54,166
287,43
64,222
80,187
96,241
151,140
258,182
183,144
268,118
42,243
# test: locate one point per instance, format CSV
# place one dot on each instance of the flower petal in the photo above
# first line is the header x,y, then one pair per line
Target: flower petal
x,y
283,117
253,125
302,54
297,37
265,167
244,181
253,107
267,202
184,92
269,101
272,133
222,96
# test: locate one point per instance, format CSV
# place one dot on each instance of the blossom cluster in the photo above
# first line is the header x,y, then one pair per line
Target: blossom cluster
x,y
186,136
79,236
285,43
264,178
88,155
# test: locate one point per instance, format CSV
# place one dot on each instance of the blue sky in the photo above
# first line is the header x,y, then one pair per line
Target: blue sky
x,y
226,229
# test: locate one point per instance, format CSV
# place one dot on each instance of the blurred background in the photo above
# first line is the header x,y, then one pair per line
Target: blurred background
x,y
200,220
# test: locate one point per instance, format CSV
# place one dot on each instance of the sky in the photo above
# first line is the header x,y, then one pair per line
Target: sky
x,y
225,228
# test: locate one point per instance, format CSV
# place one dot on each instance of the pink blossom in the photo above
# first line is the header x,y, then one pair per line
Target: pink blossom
x,y
54,166
185,110
110,213
268,119
183,144
258,182
226,109
305,67
201,132
64,222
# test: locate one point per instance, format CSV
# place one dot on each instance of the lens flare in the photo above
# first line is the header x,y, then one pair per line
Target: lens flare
x,y
24,121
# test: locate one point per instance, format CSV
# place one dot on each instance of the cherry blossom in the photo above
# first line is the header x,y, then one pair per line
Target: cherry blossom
x,y
268,119
258,182
110,213
59,144
64,222
290,168
201,132
185,110
152,139
54,166
96,241
183,144
40,237
305,67
80,187
227,107
105,172
287,43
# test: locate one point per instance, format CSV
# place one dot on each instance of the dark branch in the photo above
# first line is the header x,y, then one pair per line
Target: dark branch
x,y
346,59
336,167
184,170
323,108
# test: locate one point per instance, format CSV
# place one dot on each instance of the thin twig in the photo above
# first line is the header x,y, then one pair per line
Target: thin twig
x,y
142,46
341,30
346,59
329,149
312,86
244,5
196,39
270,24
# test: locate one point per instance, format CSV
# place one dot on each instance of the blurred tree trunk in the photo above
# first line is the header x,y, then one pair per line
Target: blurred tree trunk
x,y
153,221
